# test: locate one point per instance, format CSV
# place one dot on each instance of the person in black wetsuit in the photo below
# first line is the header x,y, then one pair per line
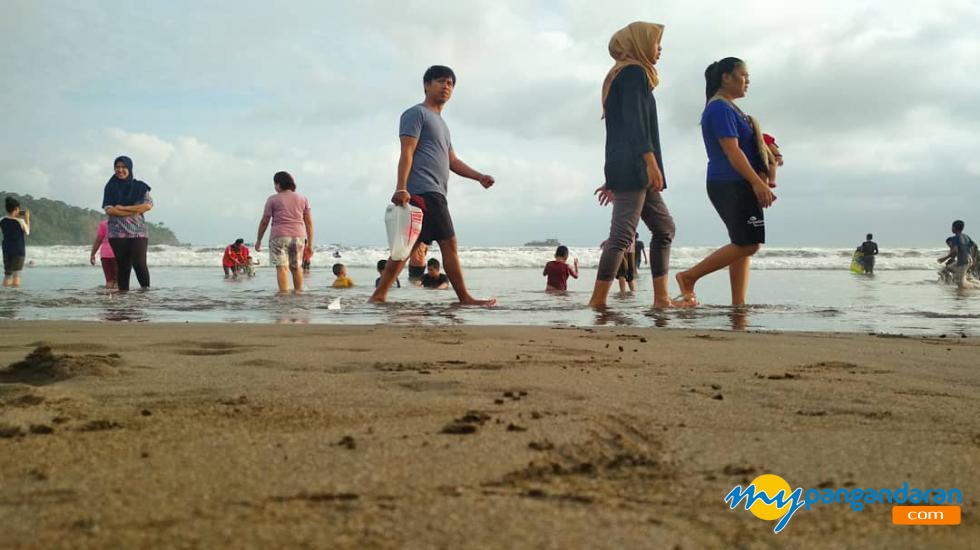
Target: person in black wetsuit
x,y
870,249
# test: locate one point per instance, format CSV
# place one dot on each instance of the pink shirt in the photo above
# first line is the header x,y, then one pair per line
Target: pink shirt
x,y
105,251
286,210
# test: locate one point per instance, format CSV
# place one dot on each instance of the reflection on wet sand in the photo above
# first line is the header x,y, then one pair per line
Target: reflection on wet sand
x,y
739,316
607,316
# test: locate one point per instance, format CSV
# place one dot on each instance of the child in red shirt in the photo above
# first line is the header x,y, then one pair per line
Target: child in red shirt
x,y
558,270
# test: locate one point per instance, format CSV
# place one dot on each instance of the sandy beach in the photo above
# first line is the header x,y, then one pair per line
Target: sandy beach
x,y
256,436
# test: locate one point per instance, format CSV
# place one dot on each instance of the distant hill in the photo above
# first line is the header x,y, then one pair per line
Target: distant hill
x,y
54,222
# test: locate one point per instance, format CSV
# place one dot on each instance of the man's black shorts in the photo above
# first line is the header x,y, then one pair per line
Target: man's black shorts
x,y
437,224
739,209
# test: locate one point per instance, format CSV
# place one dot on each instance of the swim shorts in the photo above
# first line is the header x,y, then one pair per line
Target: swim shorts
x,y
437,224
286,251
739,209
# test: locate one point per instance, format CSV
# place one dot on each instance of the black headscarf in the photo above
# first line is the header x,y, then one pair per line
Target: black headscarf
x,y
127,192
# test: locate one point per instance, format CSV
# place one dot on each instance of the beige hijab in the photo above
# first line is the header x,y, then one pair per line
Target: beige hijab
x,y
634,44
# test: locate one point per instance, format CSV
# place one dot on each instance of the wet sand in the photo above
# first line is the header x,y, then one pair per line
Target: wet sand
x,y
256,436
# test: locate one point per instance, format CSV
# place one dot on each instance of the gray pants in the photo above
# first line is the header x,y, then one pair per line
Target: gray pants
x,y
628,208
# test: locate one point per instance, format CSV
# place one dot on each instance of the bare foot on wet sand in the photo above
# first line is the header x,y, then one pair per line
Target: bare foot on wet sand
x,y
662,304
687,299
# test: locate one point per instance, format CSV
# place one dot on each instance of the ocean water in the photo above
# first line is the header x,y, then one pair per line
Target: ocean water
x,y
808,289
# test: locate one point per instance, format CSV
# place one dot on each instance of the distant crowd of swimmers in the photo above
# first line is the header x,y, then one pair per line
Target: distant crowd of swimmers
x,y
741,175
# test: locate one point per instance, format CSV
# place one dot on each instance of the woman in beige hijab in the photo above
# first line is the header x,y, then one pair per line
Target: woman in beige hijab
x,y
634,166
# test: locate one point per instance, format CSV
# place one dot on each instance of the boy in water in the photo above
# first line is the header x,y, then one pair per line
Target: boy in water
x,y
381,269
432,278
557,270
342,280
960,245
16,226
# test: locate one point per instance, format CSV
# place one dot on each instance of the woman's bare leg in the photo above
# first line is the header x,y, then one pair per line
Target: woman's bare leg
x,y
719,259
282,278
738,274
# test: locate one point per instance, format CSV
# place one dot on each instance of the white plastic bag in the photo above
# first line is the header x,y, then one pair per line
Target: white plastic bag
x,y
403,224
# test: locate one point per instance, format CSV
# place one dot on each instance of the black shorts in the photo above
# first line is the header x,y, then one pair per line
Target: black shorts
x,y
627,268
437,224
12,264
736,204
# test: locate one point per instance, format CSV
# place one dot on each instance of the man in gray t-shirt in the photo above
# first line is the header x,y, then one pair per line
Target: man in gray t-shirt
x,y
430,163
427,157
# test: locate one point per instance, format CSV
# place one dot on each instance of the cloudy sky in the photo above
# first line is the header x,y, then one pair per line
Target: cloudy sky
x,y
874,104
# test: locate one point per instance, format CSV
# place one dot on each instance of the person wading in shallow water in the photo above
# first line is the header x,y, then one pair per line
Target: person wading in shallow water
x,y
427,157
292,231
869,249
739,185
125,200
634,162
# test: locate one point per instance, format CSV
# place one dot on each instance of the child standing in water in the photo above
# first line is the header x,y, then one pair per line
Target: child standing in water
x,y
381,269
557,271
16,226
106,256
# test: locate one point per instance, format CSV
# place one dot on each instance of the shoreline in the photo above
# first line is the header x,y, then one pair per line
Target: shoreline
x,y
252,435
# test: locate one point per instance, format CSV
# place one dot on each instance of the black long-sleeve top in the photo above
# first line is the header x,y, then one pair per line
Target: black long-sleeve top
x,y
631,131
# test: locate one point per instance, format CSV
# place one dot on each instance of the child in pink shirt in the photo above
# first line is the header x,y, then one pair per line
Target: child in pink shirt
x,y
108,258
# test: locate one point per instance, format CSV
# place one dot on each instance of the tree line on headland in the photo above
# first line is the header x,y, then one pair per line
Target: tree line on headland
x,y
57,223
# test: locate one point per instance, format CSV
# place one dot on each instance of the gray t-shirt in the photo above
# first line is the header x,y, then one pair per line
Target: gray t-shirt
x,y
962,244
430,164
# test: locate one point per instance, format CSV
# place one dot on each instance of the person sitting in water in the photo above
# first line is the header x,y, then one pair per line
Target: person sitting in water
x,y
416,263
342,280
557,271
381,268
432,278
947,271
236,259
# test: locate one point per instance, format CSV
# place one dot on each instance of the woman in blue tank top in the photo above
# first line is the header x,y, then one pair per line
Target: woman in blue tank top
x,y
737,180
